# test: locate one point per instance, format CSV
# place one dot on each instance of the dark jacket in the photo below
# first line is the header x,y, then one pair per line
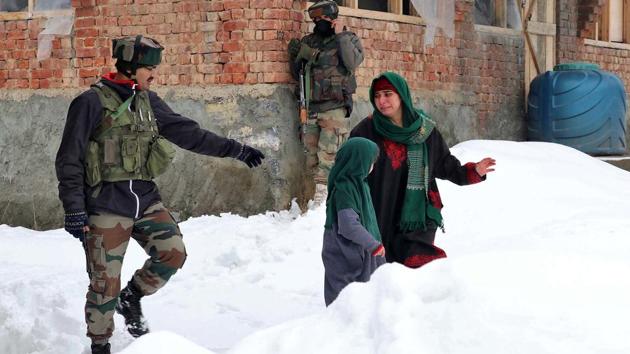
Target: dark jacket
x,y
388,179
126,198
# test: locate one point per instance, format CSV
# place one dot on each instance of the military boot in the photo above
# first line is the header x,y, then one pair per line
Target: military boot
x,y
129,307
101,348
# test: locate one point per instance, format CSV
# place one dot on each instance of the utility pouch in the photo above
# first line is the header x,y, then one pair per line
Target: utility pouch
x,y
92,164
161,154
130,153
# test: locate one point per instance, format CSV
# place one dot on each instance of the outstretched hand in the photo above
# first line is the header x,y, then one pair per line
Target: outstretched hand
x,y
484,166
250,156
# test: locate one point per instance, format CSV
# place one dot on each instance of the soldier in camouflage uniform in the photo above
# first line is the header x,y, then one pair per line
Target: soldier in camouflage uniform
x,y
327,59
117,138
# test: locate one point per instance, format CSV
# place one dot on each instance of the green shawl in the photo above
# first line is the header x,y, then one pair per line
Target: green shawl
x,y
347,184
417,127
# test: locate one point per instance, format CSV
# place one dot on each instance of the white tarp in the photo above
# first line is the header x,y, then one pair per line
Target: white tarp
x,y
55,26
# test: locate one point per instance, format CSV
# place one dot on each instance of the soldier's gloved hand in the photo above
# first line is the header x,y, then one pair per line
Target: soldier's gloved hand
x,y
294,48
76,222
307,53
250,156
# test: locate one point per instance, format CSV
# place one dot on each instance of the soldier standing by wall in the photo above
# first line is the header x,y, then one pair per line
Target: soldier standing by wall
x,y
326,60
116,140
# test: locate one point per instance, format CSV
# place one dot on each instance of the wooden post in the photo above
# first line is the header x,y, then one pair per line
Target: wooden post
x,y
532,50
626,21
353,4
605,25
395,6
550,41
500,13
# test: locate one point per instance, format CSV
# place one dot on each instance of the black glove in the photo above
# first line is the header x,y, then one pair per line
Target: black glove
x,y
294,48
74,223
250,156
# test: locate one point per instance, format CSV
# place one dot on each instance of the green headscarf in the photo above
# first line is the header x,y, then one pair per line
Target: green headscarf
x,y
347,184
417,127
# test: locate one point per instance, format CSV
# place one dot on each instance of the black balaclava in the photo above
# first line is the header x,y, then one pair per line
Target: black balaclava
x,y
324,28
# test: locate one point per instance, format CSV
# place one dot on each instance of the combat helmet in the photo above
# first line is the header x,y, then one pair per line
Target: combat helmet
x,y
134,52
324,8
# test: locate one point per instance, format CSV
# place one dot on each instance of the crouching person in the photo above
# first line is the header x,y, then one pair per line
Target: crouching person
x,y
352,248
116,140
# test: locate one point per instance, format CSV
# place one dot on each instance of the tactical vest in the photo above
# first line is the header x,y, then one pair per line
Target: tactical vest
x,y
331,81
126,145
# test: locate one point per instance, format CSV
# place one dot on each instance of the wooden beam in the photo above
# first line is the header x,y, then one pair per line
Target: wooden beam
x,y
530,46
604,26
541,28
550,40
353,4
500,13
395,7
626,21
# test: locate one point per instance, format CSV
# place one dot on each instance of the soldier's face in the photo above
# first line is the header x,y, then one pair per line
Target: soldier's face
x,y
145,76
387,102
322,17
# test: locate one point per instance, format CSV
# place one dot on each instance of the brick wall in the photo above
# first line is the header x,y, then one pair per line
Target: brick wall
x,y
574,25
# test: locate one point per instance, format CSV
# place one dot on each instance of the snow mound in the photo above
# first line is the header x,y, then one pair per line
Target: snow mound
x,y
164,343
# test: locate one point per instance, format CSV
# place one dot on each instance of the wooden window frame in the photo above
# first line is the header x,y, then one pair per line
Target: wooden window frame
x,y
500,14
351,9
602,24
31,13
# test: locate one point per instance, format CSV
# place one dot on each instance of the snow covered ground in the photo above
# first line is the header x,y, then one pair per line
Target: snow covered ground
x,y
538,263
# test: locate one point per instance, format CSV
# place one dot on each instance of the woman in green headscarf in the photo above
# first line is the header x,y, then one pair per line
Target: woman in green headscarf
x,y
352,248
403,188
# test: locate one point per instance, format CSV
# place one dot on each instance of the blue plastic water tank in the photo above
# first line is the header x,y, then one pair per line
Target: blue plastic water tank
x,y
578,105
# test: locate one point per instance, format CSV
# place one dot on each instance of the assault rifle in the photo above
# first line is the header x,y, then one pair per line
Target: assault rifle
x,y
302,103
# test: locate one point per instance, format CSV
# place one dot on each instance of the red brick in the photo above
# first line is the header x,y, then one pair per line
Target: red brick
x,y
225,78
235,4
269,35
235,25
261,4
86,52
277,77
264,24
41,74
86,11
238,78
83,73
86,32
232,46
17,35
281,14
236,68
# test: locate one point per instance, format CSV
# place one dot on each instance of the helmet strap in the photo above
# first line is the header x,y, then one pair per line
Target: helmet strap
x,y
134,58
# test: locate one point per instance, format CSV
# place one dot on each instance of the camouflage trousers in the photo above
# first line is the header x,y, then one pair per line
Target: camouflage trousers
x,y
323,135
105,246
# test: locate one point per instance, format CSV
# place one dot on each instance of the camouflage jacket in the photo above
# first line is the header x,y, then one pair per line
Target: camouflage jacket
x,y
332,74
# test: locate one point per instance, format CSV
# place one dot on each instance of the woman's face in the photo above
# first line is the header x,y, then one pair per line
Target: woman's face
x,y
387,102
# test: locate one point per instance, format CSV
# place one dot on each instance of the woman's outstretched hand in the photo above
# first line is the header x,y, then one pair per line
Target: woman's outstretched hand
x,y
484,166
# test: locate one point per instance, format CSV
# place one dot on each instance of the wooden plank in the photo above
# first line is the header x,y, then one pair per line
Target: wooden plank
x,y
500,13
616,29
528,40
378,15
395,7
12,16
550,41
353,4
604,26
541,28
626,21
